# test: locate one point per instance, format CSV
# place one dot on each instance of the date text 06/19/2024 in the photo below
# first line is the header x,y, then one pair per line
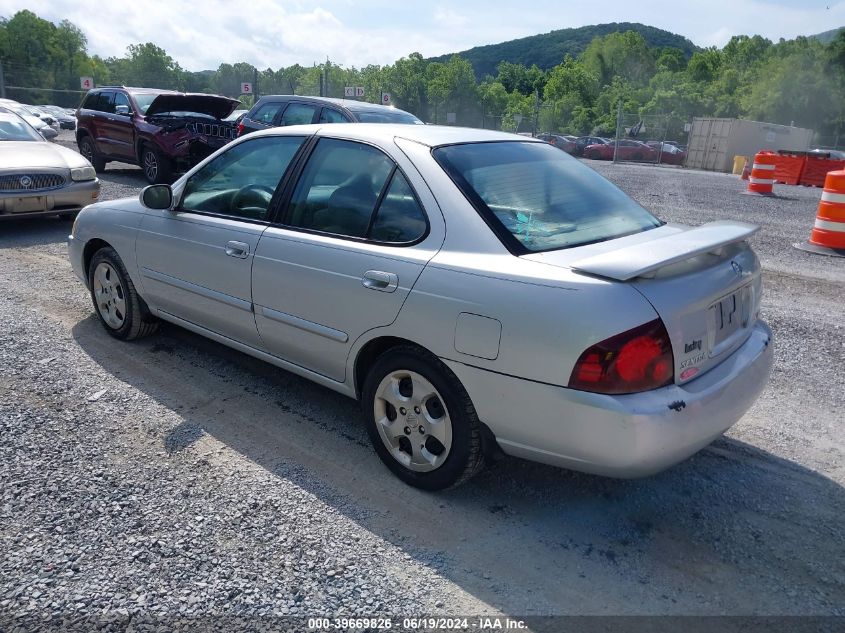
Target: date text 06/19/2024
x,y
481,623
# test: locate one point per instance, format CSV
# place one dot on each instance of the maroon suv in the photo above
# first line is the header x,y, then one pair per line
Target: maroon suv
x,y
161,131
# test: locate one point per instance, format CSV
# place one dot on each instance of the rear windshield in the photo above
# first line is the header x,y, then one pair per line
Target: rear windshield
x,y
385,116
537,198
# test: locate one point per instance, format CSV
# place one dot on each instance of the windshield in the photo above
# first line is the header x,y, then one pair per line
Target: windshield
x,y
144,99
13,128
385,116
538,198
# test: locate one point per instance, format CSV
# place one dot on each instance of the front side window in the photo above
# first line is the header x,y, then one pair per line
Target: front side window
x,y
355,190
298,114
241,181
386,116
267,113
537,198
121,99
106,102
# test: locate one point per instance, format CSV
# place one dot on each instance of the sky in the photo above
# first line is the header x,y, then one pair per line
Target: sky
x,y
354,33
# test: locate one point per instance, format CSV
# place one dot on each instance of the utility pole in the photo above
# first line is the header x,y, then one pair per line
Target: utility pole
x,y
256,94
618,132
2,83
536,111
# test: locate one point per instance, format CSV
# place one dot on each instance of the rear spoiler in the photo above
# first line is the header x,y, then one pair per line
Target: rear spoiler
x,y
640,259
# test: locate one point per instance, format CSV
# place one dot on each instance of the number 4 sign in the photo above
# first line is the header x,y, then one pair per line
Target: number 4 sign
x,y
86,82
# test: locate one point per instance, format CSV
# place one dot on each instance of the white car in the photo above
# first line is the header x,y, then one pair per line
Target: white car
x,y
473,289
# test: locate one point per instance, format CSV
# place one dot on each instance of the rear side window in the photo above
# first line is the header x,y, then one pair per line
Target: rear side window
x,y
299,114
355,190
330,115
267,113
99,101
537,198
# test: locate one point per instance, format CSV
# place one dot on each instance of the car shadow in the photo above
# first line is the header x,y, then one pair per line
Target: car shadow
x,y
719,533
33,231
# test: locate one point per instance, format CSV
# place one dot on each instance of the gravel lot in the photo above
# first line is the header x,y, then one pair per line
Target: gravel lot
x,y
173,479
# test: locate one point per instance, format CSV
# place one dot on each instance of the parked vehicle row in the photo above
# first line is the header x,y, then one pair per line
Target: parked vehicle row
x,y
475,290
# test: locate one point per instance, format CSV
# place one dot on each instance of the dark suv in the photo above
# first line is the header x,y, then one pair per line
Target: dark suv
x,y
278,110
161,131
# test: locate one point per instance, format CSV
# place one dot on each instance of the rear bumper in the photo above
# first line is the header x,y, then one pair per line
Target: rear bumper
x,y
65,200
620,436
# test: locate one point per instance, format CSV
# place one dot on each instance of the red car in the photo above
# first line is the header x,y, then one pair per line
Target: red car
x,y
561,141
628,150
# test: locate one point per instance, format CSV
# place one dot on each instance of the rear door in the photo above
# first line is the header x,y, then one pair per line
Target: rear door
x,y
358,231
196,260
118,130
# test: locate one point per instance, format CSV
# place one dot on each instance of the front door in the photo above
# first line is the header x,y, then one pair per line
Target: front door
x,y
196,260
352,243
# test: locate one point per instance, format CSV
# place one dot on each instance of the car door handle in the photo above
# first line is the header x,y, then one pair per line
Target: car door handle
x,y
237,249
378,280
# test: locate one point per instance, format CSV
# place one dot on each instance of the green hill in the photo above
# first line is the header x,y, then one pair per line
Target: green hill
x,y
548,49
828,36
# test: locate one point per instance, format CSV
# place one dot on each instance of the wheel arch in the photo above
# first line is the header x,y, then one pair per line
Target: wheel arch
x,y
374,348
91,247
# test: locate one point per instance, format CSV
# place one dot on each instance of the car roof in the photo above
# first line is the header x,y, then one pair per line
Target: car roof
x,y
350,104
429,135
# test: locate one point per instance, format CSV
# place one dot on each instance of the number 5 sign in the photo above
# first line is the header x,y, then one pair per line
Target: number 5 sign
x,y
86,82
246,89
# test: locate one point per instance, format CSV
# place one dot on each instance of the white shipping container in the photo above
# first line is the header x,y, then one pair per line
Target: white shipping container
x,y
713,142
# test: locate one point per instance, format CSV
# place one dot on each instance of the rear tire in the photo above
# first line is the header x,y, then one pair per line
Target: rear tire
x,y
421,421
87,149
121,311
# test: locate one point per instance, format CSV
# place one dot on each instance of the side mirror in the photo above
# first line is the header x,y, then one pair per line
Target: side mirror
x,y
122,109
157,196
48,133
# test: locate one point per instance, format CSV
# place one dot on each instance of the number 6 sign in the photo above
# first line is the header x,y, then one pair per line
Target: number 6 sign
x,y
86,82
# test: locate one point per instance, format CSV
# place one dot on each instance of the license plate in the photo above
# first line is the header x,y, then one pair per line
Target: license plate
x,y
728,315
29,204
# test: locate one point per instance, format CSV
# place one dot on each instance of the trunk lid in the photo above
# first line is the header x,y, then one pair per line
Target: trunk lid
x,y
704,283
215,106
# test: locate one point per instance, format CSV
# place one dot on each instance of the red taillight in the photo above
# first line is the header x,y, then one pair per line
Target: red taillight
x,y
637,360
240,128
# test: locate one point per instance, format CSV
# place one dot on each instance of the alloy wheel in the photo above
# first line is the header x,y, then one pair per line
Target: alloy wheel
x,y
150,165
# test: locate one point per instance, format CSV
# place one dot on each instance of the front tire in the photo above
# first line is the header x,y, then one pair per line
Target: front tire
x,y
421,421
121,311
158,169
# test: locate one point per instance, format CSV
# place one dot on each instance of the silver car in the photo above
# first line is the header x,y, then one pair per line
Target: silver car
x,y
38,177
474,290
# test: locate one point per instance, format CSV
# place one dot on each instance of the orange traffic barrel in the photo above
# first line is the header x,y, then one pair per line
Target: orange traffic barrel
x,y
762,176
828,234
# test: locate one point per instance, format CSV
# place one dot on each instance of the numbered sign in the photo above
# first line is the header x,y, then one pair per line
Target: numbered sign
x,y
349,91
246,88
86,82
359,91
385,98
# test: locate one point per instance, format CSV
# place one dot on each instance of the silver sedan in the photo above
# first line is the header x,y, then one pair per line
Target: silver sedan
x,y
38,177
476,291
